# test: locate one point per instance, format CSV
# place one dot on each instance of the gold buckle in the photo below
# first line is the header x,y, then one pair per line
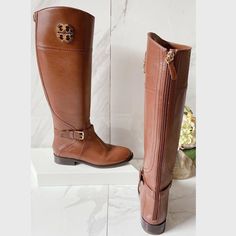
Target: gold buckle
x,y
170,56
80,135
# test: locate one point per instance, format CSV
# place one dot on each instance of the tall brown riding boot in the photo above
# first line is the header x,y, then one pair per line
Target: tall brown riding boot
x,y
166,68
64,38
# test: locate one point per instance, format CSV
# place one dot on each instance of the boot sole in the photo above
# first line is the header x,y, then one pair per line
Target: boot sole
x,y
153,229
72,162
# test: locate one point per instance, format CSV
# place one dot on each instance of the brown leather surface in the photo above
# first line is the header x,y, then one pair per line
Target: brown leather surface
x,y
65,70
165,90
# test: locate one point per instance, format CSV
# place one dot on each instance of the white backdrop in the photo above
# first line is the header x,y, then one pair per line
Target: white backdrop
x,y
121,28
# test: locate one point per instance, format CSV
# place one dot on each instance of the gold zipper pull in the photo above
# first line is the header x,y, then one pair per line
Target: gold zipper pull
x,y
170,56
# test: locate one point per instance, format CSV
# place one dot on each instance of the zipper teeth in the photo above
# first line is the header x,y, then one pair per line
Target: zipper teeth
x,y
166,94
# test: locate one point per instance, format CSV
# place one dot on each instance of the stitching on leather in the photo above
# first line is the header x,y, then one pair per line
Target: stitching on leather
x,y
157,123
66,147
167,188
63,49
175,90
145,201
161,161
46,94
179,66
165,137
163,73
148,169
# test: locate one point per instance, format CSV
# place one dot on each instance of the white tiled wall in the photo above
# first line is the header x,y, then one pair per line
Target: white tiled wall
x,y
118,81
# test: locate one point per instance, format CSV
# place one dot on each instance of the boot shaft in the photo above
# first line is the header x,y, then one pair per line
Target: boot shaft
x,y
165,92
166,69
64,38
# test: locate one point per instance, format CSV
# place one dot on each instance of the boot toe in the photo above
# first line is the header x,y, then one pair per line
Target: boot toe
x,y
120,154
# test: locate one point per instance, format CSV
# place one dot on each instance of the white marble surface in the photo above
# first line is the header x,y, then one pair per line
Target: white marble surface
x,y
106,210
119,46
69,211
50,174
124,212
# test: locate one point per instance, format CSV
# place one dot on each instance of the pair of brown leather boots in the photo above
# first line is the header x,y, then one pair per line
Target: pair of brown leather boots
x,y
64,38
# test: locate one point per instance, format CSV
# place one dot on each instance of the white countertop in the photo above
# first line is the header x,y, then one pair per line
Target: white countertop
x,y
106,210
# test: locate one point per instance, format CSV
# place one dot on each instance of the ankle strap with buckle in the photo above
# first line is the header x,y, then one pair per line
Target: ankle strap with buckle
x,y
75,134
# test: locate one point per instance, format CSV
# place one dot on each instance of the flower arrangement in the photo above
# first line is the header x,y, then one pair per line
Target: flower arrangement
x,y
186,155
188,130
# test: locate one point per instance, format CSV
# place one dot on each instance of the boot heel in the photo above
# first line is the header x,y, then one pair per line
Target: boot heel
x,y
65,161
153,229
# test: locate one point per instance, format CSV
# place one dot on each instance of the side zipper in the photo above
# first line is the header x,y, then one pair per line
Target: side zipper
x,y
170,56
169,76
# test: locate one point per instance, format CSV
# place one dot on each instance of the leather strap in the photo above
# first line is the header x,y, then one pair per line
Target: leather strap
x,y
142,184
79,135
150,192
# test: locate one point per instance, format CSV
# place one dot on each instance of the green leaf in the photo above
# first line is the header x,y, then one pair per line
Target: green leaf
x,y
191,153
